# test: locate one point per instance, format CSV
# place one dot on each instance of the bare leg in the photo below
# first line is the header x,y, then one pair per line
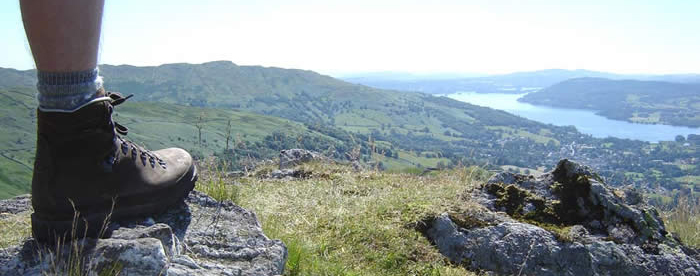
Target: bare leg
x,y
83,165
64,35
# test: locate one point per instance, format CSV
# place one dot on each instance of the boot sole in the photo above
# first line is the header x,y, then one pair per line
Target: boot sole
x,y
92,226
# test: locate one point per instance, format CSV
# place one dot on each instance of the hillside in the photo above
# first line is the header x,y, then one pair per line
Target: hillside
x,y
394,130
413,123
155,125
652,102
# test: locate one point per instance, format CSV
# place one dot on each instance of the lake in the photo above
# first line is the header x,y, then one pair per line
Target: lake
x,y
585,121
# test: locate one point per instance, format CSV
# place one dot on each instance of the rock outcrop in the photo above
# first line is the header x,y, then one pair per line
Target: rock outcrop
x,y
566,222
292,157
289,174
15,205
200,236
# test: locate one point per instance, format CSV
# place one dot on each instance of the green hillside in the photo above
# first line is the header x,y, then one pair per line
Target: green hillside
x,y
395,130
415,122
17,140
653,102
409,128
155,125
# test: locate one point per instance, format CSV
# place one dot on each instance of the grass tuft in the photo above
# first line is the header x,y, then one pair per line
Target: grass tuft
x,y
214,182
14,228
684,221
340,222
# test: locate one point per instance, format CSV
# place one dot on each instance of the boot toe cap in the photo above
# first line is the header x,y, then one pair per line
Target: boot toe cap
x,y
177,160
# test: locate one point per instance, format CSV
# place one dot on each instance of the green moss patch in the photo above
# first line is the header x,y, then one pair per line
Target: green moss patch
x,y
574,198
514,199
556,216
467,221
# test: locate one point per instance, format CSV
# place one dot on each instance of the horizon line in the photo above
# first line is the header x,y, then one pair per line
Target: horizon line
x,y
340,73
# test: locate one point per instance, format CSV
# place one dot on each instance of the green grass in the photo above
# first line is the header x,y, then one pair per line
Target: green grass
x,y
684,221
14,228
214,182
689,179
17,140
340,222
66,257
407,160
542,137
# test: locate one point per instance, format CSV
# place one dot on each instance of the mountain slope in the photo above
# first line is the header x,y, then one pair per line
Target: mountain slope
x,y
403,128
630,100
394,129
412,121
17,140
155,125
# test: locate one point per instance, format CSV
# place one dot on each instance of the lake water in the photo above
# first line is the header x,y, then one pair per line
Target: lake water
x,y
585,121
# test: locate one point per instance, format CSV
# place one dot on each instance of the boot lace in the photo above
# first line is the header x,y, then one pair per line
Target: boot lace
x,y
127,147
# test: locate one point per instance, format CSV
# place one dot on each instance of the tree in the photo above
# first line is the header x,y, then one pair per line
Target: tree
x,y
200,125
228,134
680,138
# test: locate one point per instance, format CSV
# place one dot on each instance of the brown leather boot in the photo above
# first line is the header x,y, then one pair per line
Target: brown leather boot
x,y
83,166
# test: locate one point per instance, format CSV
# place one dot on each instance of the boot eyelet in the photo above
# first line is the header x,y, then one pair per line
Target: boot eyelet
x,y
108,163
162,163
125,148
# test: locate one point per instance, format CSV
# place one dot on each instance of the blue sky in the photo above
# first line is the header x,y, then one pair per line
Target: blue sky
x,y
411,36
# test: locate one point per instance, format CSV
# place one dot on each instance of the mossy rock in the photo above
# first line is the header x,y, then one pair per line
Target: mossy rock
x,y
467,221
515,199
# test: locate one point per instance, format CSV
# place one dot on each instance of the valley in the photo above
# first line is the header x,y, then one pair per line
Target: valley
x,y
270,109
585,120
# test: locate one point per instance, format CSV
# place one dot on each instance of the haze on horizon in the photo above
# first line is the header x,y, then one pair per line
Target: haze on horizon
x,y
340,37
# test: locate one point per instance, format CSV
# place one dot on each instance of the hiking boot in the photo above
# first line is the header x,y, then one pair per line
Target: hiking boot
x,y
86,173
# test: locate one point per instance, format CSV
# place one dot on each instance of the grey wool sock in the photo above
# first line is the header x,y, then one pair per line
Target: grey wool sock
x,y
67,91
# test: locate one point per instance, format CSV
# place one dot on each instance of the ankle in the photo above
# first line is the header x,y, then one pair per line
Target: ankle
x,y
67,91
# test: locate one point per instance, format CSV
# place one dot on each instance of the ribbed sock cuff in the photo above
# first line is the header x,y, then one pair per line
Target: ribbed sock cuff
x,y
67,91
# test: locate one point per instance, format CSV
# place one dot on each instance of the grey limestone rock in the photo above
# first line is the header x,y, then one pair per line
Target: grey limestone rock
x,y
15,205
565,222
200,236
289,174
292,157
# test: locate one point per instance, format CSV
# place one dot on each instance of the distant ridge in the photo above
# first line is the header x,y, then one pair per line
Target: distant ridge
x,y
655,102
518,82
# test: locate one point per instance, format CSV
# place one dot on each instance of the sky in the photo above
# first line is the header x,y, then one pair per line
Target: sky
x,y
440,36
